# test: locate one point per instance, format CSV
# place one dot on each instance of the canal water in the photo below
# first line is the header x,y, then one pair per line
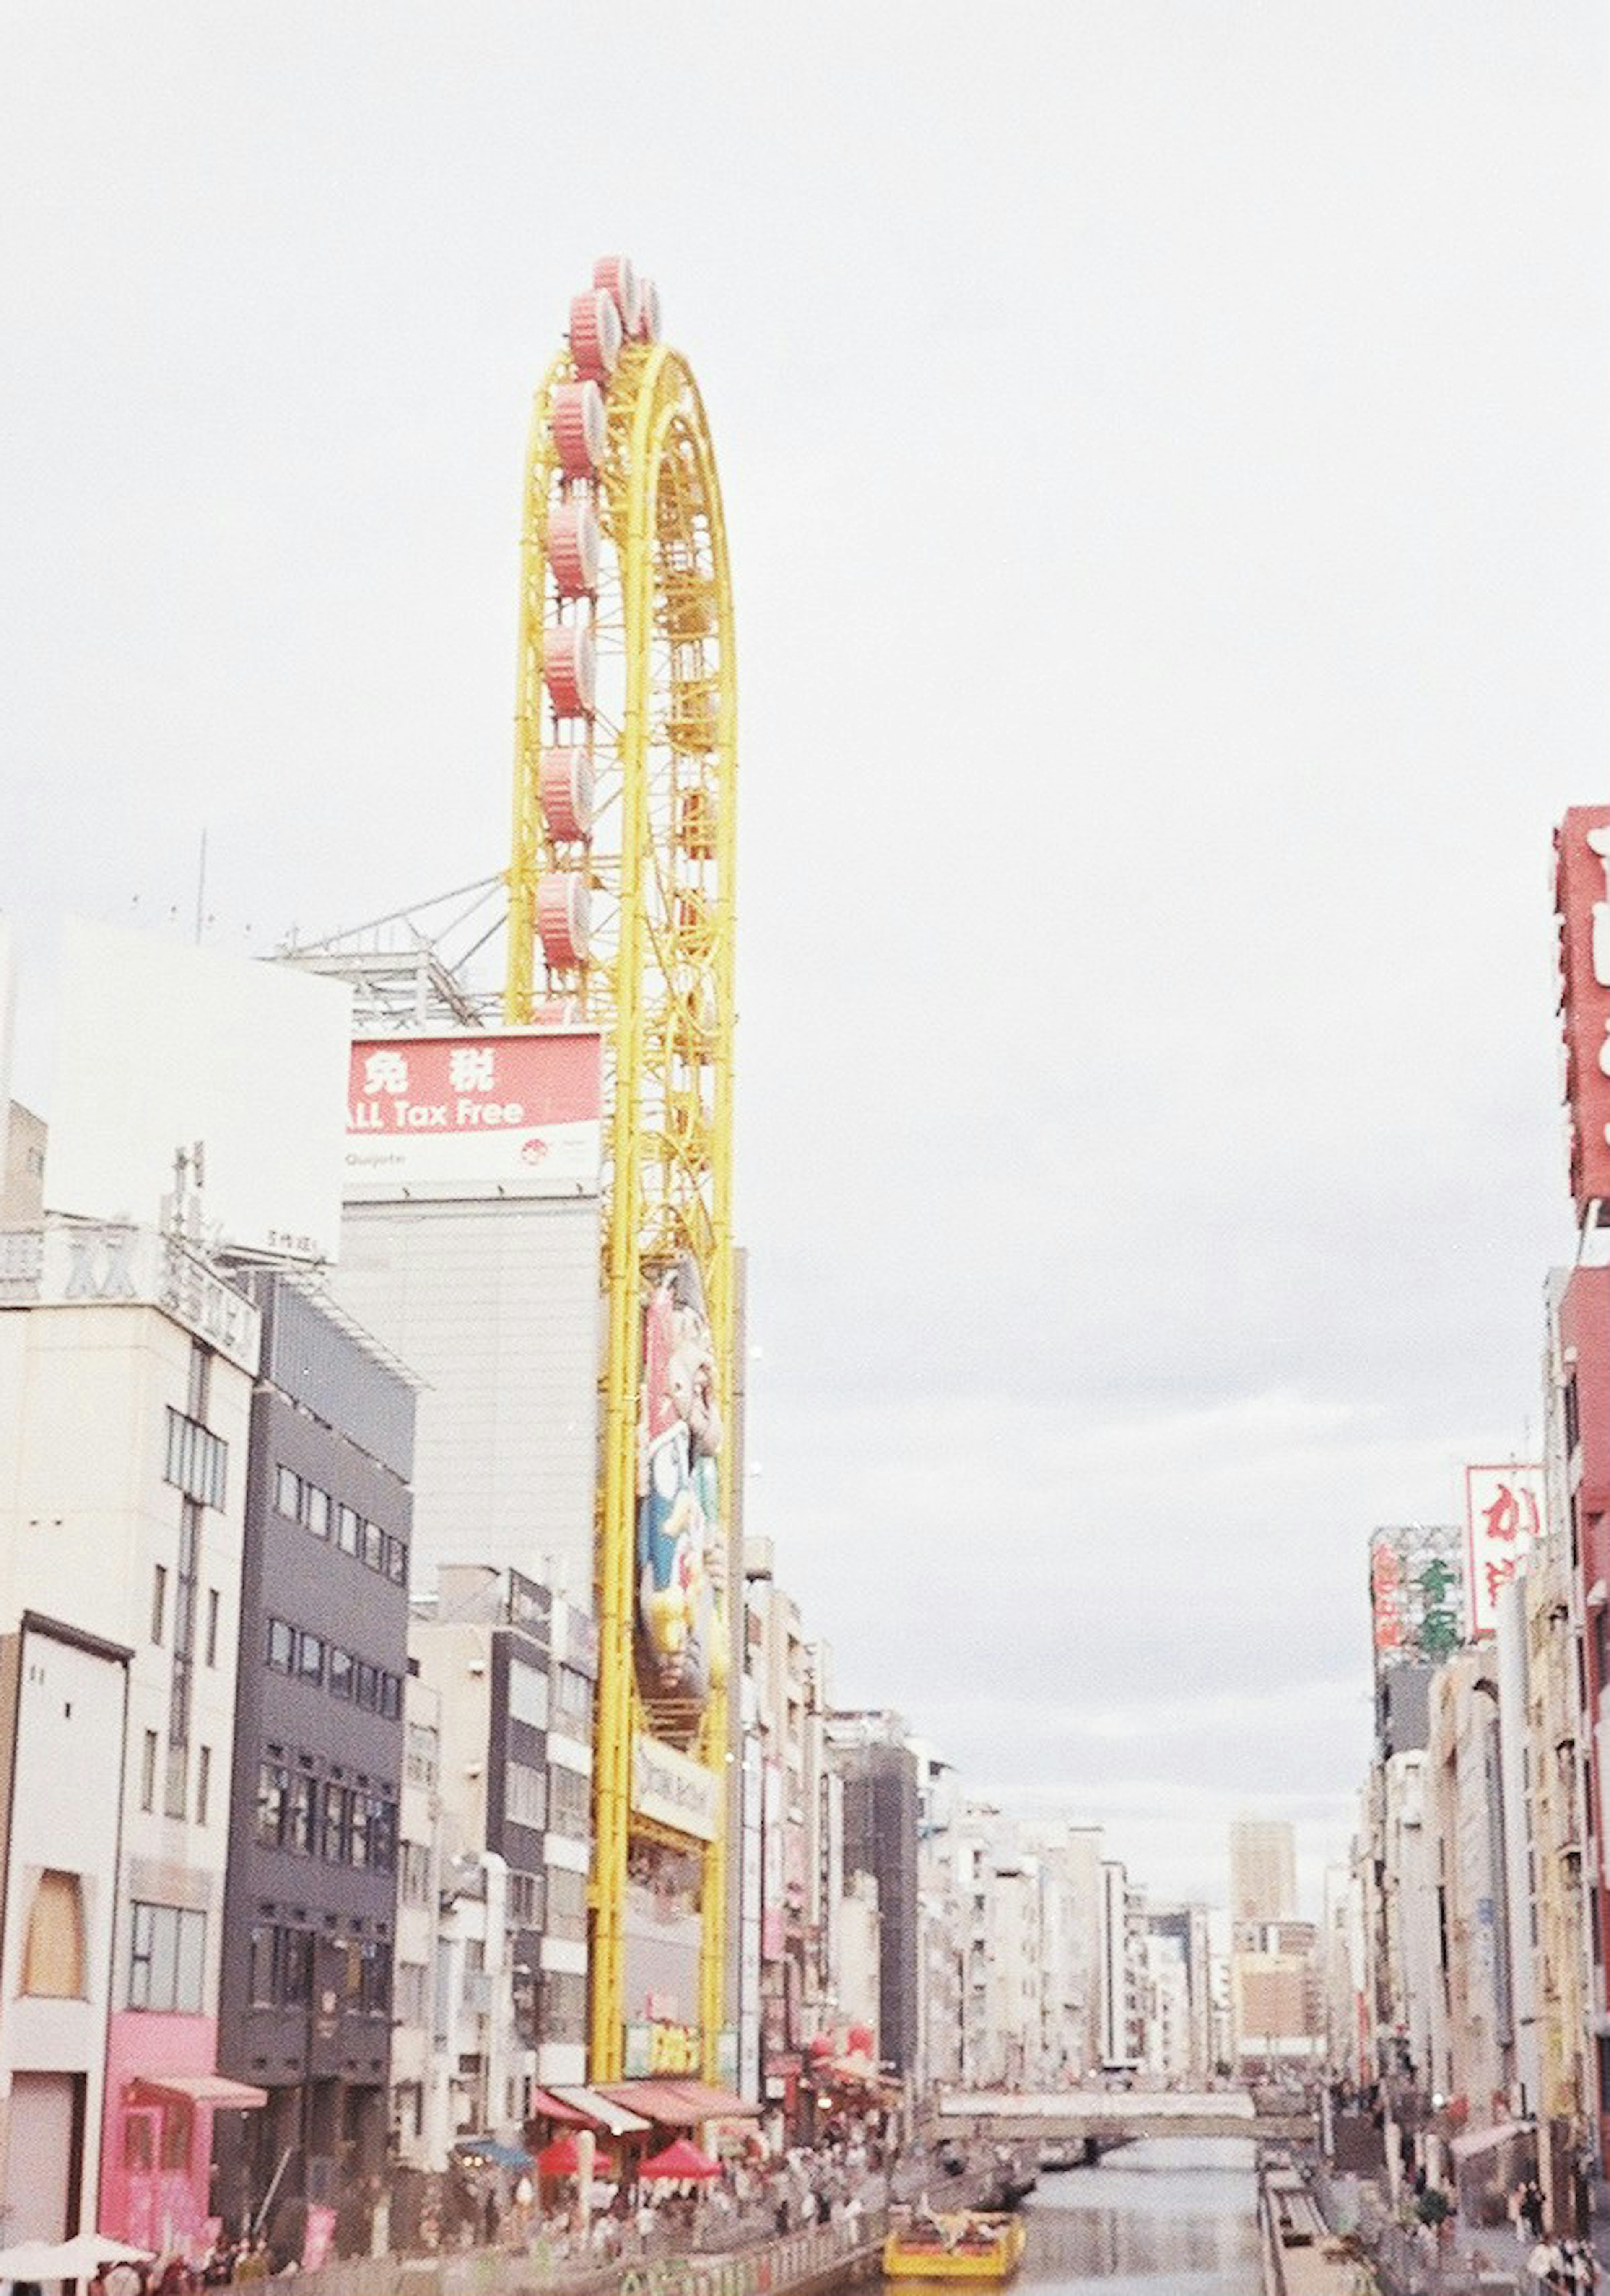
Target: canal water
x,y
1164,2218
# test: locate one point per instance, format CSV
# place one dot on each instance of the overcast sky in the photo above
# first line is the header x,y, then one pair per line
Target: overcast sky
x,y
1165,450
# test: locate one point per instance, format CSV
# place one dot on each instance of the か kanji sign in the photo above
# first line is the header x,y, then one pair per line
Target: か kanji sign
x,y
1582,897
516,1114
1503,1515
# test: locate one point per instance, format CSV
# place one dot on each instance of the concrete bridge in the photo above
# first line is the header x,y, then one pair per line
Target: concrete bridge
x,y
1109,2116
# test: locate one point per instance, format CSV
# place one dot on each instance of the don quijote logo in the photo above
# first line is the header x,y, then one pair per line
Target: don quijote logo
x,y
534,1150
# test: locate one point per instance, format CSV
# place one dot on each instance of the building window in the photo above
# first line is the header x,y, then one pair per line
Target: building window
x,y
373,1981
525,1795
288,1493
526,1901
397,1563
390,1696
383,1833
273,1784
569,1799
341,1672
203,1780
176,2133
310,1657
148,1772
139,2143
412,1999
415,1881
52,1954
301,1815
349,1529
419,1761
375,1546
567,1903
573,1702
281,1647
296,1968
213,1626
336,1804
159,1604
528,1694
564,2005
196,1460
367,1683
358,1830
261,1974
167,1961
315,1509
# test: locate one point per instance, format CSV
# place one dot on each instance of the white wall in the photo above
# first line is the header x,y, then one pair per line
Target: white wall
x,y
69,1727
495,1305
86,1519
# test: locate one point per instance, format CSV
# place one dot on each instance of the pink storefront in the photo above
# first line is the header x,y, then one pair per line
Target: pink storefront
x,y
156,2144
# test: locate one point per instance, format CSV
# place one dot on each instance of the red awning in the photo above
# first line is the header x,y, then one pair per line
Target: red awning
x,y
197,2088
655,2100
679,2104
546,2106
715,2104
681,2163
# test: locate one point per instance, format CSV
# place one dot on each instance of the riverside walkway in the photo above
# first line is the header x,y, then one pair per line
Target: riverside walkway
x,y
802,2263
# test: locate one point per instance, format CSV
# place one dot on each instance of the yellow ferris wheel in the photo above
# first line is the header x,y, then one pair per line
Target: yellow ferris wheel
x,y
620,911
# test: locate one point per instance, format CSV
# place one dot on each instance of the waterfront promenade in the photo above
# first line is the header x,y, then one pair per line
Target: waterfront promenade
x,y
790,2264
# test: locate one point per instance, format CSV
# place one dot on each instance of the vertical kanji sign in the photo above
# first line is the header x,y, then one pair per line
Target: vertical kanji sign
x,y
1503,1519
1582,897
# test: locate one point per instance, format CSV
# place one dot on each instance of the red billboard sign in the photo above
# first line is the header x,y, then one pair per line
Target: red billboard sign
x,y
1582,897
484,1114
1504,1520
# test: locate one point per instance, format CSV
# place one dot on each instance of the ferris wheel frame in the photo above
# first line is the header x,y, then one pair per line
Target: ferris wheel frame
x,y
661,987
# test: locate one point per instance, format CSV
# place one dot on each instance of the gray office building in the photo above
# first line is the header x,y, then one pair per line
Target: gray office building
x,y
305,2006
881,1798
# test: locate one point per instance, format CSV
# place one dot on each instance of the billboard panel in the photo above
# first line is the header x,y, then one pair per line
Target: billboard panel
x,y
1582,899
681,1623
507,1113
674,1790
1503,1519
162,1046
1416,1592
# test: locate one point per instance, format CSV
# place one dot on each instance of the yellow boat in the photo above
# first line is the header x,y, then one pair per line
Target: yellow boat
x,y
966,2245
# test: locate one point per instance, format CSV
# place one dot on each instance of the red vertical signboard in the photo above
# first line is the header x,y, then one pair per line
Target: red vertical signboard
x,y
1581,896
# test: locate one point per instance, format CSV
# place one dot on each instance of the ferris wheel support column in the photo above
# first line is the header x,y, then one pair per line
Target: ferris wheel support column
x,y
618,1528
723,1279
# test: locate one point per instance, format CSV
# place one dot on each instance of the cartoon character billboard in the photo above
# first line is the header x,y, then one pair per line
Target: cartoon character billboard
x,y
681,1636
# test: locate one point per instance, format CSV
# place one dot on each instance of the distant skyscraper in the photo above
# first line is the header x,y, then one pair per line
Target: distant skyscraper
x,y
1263,1870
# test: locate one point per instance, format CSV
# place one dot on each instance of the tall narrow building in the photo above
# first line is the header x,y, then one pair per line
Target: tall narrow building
x,y
1263,1870
126,1367
305,2005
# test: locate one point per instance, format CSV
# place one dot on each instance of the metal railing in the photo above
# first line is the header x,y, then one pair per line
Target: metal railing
x,y
759,2267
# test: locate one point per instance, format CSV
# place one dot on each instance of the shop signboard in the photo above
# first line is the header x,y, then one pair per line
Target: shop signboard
x,y
1504,1519
671,1789
681,1623
489,1113
1582,882
1416,1592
